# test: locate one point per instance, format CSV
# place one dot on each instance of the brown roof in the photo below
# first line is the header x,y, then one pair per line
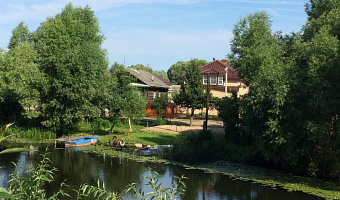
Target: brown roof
x,y
164,80
148,78
218,68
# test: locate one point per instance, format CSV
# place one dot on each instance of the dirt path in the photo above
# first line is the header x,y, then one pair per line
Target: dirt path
x,y
182,126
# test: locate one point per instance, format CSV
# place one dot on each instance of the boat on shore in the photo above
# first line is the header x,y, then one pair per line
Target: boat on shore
x,y
81,141
152,150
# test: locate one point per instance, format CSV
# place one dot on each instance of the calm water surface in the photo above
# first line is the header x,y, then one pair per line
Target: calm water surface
x,y
79,167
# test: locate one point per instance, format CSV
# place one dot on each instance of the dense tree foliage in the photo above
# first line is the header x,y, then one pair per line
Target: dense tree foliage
x,y
160,104
21,78
75,65
229,113
257,54
192,93
176,70
20,34
124,99
291,113
58,74
20,83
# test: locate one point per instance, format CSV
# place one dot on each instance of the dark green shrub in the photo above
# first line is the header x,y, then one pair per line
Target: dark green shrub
x,y
100,124
196,148
161,121
159,104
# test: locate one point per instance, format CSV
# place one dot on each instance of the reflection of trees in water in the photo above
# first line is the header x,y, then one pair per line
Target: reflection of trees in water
x,y
202,185
6,167
21,159
239,190
197,180
81,167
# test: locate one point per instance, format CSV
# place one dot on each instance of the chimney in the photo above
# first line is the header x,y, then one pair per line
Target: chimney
x,y
224,61
213,59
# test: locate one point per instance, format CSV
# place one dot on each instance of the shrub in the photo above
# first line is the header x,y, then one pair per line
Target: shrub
x,y
196,148
161,121
100,124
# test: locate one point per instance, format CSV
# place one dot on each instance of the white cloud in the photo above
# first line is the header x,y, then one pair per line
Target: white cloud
x,y
274,2
15,12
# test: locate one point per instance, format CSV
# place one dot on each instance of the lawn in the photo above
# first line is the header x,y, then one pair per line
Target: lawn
x,y
139,136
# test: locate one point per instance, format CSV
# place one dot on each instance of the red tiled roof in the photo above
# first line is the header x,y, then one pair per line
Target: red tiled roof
x,y
218,68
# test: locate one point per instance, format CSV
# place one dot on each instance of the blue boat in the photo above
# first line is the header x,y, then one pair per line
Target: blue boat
x,y
81,141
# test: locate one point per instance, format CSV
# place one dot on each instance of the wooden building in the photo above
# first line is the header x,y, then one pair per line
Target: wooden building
x,y
151,86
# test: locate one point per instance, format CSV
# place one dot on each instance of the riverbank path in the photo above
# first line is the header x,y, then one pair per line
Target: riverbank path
x,y
181,126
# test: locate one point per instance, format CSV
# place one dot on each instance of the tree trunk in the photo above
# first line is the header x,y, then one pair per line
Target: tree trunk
x,y
192,116
130,128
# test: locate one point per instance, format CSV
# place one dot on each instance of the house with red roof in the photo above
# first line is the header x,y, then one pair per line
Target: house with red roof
x,y
222,79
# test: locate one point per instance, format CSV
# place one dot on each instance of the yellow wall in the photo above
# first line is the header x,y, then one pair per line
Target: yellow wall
x,y
232,83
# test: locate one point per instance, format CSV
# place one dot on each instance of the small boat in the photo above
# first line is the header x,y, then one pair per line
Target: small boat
x,y
152,150
81,141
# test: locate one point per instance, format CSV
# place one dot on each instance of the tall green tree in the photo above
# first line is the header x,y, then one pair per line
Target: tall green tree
x,y
192,93
124,99
320,62
179,68
70,54
175,71
258,55
21,78
20,34
20,83
292,109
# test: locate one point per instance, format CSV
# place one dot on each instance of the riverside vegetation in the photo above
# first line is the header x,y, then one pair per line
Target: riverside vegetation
x,y
203,151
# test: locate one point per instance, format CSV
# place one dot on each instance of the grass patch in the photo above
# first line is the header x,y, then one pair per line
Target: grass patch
x,y
29,134
144,137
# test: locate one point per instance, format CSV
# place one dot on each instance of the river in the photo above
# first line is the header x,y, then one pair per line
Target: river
x,y
77,167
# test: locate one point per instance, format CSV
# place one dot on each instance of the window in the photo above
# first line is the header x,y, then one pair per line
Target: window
x,y
213,80
154,95
220,80
205,80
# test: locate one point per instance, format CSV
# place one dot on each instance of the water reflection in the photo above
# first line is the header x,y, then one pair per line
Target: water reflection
x,y
79,167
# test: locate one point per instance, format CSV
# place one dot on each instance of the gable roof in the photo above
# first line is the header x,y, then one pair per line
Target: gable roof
x,y
218,68
147,78
164,80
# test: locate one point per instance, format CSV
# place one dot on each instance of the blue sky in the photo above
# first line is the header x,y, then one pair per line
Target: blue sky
x,y
159,33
